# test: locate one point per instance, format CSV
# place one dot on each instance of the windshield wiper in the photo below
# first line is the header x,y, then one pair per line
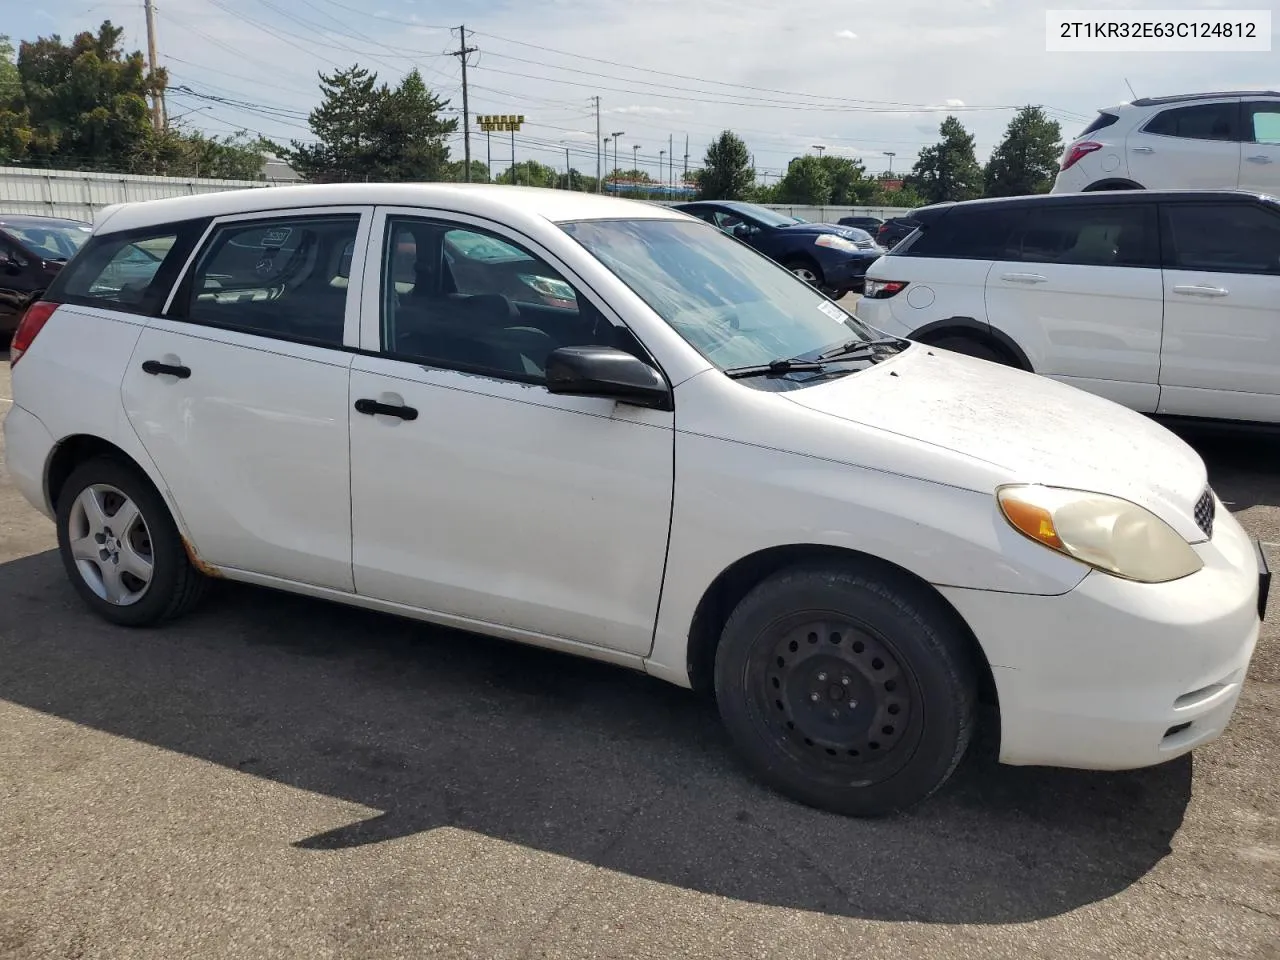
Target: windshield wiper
x,y
774,368
858,347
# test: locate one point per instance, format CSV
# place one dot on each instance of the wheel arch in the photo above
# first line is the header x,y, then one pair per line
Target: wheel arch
x,y
737,580
1112,183
975,329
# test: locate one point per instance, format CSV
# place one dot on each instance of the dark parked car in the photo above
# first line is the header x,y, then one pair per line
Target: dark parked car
x,y
869,224
830,257
895,230
32,250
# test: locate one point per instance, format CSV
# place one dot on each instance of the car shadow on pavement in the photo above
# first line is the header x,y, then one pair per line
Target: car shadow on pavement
x,y
608,767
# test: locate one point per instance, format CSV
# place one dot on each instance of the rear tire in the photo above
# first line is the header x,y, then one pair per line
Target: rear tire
x,y
121,548
850,689
973,347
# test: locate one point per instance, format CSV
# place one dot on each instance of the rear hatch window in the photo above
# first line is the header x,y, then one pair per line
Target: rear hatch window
x,y
1102,120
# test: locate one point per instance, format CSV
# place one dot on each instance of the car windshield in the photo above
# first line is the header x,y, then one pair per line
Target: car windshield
x,y
770,218
734,306
53,241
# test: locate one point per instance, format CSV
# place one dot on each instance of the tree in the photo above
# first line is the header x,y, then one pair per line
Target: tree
x,y
849,185
86,102
238,156
365,131
806,181
726,169
948,170
1026,161
529,173
15,122
479,171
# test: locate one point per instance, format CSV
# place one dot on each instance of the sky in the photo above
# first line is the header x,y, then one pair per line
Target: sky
x,y
860,78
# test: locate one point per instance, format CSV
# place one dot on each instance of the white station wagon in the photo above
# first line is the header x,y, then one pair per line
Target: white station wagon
x,y
604,427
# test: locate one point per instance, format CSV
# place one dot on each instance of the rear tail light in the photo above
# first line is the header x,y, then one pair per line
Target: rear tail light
x,y
1078,150
883,289
32,322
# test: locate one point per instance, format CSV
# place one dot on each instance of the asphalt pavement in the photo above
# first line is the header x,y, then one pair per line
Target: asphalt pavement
x,y
280,777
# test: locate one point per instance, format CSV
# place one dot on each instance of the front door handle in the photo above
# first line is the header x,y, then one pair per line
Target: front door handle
x,y
1025,278
1259,158
1144,150
374,407
1199,290
156,368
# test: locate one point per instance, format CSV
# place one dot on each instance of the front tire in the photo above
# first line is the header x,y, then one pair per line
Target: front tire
x,y
850,689
810,273
120,547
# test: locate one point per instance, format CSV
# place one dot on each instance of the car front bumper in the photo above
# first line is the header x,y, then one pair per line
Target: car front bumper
x,y
1117,675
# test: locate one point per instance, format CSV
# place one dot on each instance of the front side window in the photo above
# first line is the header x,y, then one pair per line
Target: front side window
x,y
1222,238
283,278
53,241
1100,236
1263,125
1206,121
734,306
464,298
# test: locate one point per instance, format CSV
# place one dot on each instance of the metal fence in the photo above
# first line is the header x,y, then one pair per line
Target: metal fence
x,y
79,195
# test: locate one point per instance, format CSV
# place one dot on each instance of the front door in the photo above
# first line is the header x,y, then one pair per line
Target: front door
x,y
1221,353
476,494
1084,281
239,393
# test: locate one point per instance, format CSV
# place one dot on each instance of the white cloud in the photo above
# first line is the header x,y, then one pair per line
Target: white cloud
x,y
847,35
648,110
953,102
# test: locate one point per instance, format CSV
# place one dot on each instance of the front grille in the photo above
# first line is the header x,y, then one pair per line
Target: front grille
x,y
1205,512
865,244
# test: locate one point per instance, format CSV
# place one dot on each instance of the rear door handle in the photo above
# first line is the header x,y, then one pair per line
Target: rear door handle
x,y
156,368
1144,149
1259,158
1025,278
374,407
1199,290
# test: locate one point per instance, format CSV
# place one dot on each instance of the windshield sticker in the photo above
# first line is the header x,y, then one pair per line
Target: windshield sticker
x,y
832,311
276,238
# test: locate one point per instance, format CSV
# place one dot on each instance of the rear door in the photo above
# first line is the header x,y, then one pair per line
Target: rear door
x,y
1081,293
1189,146
1260,159
1221,353
239,392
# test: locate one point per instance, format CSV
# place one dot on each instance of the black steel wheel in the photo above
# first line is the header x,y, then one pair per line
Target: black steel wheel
x,y
852,690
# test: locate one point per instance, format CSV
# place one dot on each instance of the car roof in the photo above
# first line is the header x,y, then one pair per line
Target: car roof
x,y
1191,97
1107,196
494,201
34,220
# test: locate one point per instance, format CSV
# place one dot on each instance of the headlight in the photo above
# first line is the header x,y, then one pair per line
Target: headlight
x,y
1108,533
835,242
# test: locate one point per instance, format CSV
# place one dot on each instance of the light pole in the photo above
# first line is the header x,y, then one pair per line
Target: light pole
x,y
568,171
616,134
635,162
606,157
890,154
662,173
820,147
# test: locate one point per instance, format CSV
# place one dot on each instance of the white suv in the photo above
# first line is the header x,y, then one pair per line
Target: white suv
x,y
1208,141
1162,301
607,428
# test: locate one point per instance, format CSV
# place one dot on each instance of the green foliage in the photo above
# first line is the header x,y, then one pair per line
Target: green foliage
x,y
726,170
1026,161
79,104
576,180
806,182
235,157
948,170
529,173
10,80
371,132
479,172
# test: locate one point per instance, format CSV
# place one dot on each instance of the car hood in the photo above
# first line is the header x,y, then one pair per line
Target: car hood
x,y
1030,429
814,228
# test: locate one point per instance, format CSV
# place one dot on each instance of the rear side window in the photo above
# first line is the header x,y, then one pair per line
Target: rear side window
x,y
1205,121
972,234
1100,236
130,272
1222,238
1101,121
282,278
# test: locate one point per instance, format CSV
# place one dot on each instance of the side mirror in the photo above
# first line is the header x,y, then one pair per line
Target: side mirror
x,y
598,371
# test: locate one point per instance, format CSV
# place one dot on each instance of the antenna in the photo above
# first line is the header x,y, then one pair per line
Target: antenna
x,y
1130,86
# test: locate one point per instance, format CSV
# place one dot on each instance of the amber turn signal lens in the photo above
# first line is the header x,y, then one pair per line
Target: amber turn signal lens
x,y
1036,522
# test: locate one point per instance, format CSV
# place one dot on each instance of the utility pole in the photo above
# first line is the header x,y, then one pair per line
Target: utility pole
x,y
671,159
461,54
157,104
598,169
617,134
568,170
635,161
686,159
514,180
488,155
